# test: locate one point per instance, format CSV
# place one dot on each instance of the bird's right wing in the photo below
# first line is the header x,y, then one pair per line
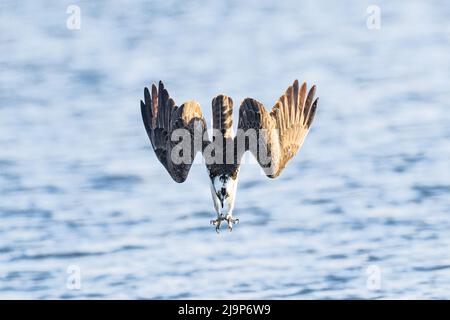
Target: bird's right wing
x,y
278,134
176,133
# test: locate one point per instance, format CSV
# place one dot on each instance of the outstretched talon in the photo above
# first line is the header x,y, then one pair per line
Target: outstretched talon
x,y
230,220
217,222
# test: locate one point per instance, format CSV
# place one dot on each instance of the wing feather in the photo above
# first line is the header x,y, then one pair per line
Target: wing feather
x,y
161,118
282,131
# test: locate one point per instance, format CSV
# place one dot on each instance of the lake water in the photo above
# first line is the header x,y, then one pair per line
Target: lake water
x,y
363,211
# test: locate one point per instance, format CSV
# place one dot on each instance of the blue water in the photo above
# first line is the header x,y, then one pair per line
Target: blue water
x,y
80,185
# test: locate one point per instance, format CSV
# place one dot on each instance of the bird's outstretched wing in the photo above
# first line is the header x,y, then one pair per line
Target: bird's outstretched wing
x,y
176,133
280,132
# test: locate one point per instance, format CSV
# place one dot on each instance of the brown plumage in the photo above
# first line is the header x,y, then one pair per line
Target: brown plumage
x,y
161,118
223,143
222,114
281,131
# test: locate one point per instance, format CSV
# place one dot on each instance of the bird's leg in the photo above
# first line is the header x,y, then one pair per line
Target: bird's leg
x,y
230,220
218,221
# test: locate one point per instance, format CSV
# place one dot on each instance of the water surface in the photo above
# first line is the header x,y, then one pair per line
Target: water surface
x,y
80,185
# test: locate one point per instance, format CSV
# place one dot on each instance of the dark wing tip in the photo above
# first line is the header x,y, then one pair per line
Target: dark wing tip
x,y
160,86
178,178
165,95
312,91
147,96
308,103
252,104
244,104
143,111
145,117
312,113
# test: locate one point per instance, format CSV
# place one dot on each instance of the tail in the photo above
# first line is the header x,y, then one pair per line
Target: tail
x,y
222,114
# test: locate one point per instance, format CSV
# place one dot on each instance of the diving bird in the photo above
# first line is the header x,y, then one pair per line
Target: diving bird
x,y
178,133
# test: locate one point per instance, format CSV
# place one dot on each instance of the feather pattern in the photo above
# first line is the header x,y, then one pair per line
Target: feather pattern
x,y
282,131
222,113
161,117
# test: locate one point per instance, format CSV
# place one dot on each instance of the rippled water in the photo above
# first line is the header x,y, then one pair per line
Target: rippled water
x,y
80,185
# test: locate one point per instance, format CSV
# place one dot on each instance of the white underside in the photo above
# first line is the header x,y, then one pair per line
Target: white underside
x,y
228,203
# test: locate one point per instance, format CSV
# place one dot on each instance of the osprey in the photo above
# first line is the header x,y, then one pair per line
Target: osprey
x,y
177,133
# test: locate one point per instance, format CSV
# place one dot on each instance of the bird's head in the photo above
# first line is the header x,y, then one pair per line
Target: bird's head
x,y
223,191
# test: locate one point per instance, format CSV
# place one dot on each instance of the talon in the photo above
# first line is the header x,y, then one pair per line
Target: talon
x,y
217,222
228,218
231,221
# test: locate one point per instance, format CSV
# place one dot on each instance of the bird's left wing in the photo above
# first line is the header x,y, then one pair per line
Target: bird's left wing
x,y
176,133
278,134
